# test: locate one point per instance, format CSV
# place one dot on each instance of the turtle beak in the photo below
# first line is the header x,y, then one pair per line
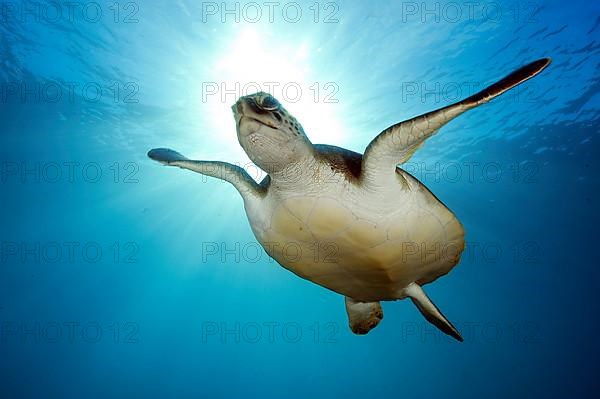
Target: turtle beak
x,y
237,110
247,108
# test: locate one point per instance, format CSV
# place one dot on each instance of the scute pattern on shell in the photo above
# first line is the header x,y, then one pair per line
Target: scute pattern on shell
x,y
321,239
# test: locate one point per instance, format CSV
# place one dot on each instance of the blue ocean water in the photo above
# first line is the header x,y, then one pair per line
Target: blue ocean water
x,y
123,278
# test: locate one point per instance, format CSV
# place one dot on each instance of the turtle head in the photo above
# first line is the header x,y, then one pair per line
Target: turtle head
x,y
272,138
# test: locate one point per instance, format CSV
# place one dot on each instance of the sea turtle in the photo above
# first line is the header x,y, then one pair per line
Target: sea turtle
x,y
356,224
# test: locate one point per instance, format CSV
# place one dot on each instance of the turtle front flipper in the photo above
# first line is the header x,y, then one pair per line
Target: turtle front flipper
x,y
363,316
396,144
233,174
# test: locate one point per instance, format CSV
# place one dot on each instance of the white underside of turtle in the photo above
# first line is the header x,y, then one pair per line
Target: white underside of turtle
x,y
356,224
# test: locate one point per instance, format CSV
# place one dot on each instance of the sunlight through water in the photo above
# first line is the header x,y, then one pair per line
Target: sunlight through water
x,y
252,62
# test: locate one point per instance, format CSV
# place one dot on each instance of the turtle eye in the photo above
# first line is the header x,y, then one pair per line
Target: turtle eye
x,y
269,103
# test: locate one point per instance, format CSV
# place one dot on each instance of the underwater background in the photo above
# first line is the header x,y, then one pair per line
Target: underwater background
x,y
123,278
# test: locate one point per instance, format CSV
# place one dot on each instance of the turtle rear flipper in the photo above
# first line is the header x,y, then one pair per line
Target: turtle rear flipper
x,y
363,316
430,311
